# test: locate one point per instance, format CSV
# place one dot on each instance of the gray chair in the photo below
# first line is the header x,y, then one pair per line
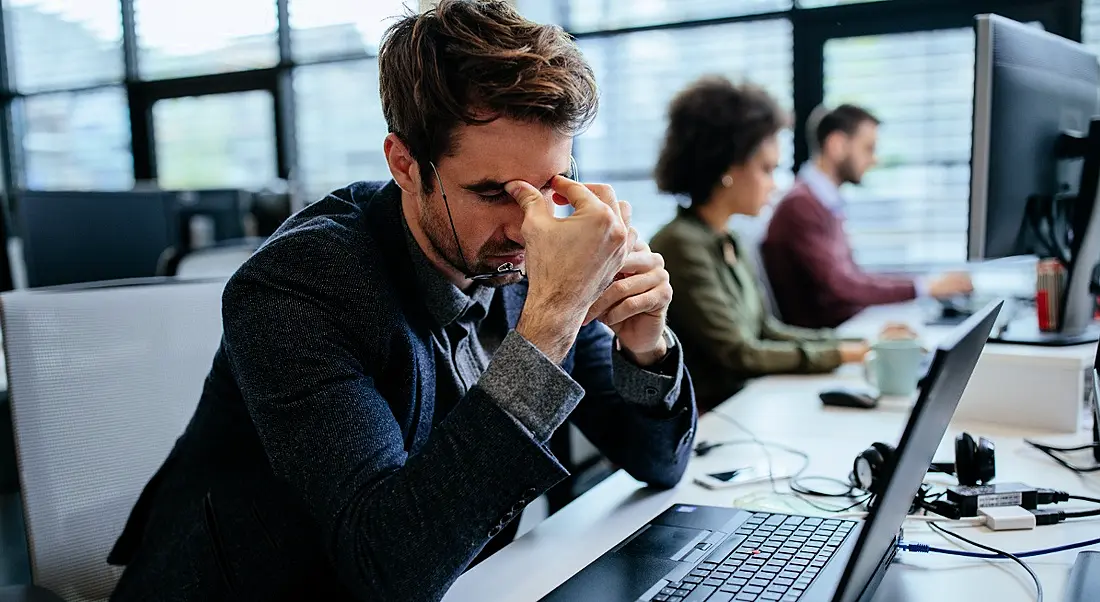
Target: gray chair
x,y
220,260
102,381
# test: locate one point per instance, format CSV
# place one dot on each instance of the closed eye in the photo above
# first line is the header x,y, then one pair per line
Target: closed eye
x,y
495,197
501,196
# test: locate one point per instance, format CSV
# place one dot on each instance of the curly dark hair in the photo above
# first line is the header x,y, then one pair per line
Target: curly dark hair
x,y
473,61
713,124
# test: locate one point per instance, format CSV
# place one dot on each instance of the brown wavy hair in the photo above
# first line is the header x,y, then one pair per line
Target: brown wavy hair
x,y
713,124
471,62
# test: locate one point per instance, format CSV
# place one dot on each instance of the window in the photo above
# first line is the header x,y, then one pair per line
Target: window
x,y
178,38
340,126
913,208
333,28
1090,23
76,140
227,140
64,43
817,3
638,74
589,15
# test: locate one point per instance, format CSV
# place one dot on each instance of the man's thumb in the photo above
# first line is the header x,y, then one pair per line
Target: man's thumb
x,y
527,196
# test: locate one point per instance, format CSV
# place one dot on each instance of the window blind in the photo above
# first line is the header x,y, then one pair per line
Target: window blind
x,y
340,127
913,208
1090,23
63,43
591,15
639,73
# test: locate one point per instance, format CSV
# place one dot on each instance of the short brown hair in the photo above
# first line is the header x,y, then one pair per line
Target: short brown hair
x,y
471,62
846,119
713,125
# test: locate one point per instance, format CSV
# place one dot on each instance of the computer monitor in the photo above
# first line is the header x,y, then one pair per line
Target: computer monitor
x,y
74,237
1030,88
224,208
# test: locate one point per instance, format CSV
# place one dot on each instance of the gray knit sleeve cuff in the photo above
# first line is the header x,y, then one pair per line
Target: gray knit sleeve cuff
x,y
658,386
530,387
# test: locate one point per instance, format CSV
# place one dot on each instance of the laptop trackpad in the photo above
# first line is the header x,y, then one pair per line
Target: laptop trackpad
x,y
663,541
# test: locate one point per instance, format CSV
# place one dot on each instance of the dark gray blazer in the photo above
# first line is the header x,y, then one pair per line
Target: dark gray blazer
x,y
317,465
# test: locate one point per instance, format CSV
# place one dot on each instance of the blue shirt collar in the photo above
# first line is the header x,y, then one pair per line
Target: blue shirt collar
x,y
827,193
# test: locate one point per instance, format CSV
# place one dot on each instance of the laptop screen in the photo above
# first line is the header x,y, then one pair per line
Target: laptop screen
x,y
947,378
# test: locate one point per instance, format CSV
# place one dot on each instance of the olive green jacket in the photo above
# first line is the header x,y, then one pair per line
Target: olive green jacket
x,y
720,317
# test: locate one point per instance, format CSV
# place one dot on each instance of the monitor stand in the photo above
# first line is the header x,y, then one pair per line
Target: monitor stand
x,y
1024,331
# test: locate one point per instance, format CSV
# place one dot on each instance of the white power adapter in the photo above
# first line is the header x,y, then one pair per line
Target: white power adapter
x,y
1005,518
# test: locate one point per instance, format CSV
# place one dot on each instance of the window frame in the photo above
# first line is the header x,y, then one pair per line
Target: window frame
x,y
811,29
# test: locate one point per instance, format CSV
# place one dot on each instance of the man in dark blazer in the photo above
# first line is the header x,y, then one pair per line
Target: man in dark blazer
x,y
379,410
814,278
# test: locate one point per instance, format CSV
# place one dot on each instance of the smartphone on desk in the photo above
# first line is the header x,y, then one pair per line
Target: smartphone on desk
x,y
744,475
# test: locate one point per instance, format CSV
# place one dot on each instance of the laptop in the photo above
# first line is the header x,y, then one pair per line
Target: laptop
x,y
704,553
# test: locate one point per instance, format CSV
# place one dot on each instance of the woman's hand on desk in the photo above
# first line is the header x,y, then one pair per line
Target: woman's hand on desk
x,y
897,330
852,352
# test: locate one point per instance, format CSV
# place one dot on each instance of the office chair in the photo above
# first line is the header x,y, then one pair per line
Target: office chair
x,y
219,260
102,381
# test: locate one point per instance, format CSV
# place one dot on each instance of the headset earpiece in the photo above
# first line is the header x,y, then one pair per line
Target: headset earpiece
x,y
873,467
975,462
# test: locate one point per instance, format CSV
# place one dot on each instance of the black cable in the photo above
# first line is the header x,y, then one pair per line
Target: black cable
x,y
1012,557
794,477
1051,451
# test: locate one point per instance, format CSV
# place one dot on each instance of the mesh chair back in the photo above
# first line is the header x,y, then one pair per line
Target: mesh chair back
x,y
102,381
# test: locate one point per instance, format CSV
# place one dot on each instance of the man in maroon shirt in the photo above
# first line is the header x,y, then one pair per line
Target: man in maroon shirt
x,y
809,263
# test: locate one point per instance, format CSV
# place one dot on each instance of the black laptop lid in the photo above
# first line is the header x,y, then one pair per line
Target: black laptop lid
x,y
951,368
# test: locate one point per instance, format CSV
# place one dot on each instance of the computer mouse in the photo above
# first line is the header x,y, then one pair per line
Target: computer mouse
x,y
849,398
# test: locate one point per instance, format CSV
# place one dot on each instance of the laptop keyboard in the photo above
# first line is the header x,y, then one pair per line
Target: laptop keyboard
x,y
776,560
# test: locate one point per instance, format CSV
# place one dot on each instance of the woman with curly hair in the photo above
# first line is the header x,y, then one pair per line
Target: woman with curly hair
x,y
720,151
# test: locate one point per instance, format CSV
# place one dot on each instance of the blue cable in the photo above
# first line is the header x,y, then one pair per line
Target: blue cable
x,y
925,548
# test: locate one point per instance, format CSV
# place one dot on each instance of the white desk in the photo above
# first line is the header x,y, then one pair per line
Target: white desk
x,y
786,410
1040,388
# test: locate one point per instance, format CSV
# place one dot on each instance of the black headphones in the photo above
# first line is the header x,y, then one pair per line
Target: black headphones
x,y
975,464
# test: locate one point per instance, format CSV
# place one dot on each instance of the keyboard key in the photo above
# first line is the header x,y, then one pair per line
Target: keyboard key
x,y
746,575
761,583
693,580
713,582
770,597
720,597
795,562
782,557
752,589
743,597
661,598
699,573
777,519
793,520
668,591
736,581
791,597
700,594
709,566
722,574
789,574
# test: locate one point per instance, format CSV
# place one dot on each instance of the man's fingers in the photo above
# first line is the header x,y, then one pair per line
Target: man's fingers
x,y
578,195
642,260
606,193
626,211
624,289
652,300
527,196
